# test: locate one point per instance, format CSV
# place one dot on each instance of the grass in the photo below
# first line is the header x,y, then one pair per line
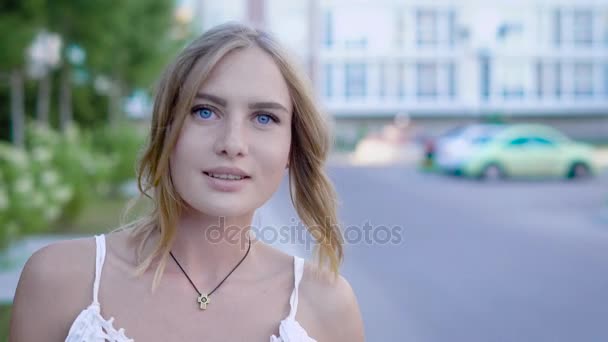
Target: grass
x,y
5,317
100,216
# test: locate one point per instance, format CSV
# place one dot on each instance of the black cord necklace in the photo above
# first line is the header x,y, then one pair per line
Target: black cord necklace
x,y
203,299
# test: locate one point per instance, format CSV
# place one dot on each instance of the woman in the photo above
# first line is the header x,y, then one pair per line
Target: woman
x,y
230,116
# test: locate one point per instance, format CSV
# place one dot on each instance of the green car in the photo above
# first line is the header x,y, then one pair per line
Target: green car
x,y
516,151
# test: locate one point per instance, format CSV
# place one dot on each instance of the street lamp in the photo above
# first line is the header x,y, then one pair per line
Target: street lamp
x,y
43,55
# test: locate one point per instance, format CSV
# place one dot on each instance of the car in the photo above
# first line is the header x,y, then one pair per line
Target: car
x,y
449,148
494,152
432,143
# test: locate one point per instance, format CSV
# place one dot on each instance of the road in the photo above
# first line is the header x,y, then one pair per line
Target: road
x,y
512,261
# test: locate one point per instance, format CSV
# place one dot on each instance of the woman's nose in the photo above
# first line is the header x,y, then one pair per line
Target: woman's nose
x,y
231,141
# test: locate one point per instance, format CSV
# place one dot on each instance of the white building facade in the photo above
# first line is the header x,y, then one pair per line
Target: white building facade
x,y
463,58
441,58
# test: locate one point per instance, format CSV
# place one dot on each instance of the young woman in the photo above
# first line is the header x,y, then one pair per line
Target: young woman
x,y
231,115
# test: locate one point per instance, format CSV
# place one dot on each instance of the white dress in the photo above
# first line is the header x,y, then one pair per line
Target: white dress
x,y
91,326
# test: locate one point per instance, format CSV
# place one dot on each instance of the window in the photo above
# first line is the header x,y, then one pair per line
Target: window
x,y
328,76
557,68
521,141
482,139
427,80
401,79
540,141
583,79
540,84
426,24
485,66
328,33
400,29
557,27
355,80
548,79
452,27
512,78
582,27
452,80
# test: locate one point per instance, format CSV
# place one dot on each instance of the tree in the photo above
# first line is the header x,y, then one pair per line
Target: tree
x,y
127,41
138,38
22,18
79,23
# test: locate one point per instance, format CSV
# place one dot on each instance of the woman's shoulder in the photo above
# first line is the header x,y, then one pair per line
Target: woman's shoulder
x,y
332,300
64,268
54,286
61,262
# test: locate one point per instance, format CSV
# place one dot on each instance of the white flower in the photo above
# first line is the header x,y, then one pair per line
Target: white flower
x,y
24,185
37,200
16,157
51,213
71,133
63,194
49,178
88,164
42,155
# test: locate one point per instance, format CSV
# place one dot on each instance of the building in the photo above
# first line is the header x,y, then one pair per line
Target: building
x,y
463,58
446,59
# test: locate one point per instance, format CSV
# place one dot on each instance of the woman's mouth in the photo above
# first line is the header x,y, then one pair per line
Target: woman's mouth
x,y
225,176
226,182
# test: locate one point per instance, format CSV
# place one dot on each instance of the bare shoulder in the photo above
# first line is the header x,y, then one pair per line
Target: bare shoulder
x,y
55,285
332,300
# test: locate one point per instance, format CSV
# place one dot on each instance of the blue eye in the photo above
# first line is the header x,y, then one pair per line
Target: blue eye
x,y
264,119
204,113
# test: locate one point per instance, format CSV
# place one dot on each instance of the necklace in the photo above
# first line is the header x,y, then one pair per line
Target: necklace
x,y
203,298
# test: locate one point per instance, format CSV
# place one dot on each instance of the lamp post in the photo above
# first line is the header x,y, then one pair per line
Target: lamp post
x,y
44,54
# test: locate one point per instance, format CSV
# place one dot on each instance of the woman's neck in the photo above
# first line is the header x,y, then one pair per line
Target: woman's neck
x,y
213,244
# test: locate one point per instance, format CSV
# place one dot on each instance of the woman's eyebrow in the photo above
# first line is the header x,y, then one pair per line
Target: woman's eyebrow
x,y
268,105
216,99
257,105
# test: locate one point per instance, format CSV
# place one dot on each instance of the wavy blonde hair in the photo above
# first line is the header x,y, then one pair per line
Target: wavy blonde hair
x,y
311,192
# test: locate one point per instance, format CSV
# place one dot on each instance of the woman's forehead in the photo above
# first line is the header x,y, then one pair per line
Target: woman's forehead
x,y
247,74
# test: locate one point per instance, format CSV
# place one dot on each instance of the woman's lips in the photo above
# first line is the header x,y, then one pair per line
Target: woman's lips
x,y
226,185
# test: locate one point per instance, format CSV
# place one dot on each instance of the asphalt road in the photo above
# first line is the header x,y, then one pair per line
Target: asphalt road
x,y
512,261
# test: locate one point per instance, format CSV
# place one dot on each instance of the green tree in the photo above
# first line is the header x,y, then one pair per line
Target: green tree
x,y
139,43
79,23
127,41
20,20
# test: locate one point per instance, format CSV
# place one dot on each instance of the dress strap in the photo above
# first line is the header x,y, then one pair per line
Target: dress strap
x,y
100,241
298,270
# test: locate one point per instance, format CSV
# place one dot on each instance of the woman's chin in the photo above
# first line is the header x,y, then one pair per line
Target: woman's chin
x,y
227,210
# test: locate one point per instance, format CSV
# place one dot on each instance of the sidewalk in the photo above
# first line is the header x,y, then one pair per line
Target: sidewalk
x,y
601,157
378,154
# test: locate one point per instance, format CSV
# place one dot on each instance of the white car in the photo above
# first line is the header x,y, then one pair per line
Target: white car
x,y
454,146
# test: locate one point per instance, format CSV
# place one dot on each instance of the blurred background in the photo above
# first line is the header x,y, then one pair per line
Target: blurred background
x,y
478,129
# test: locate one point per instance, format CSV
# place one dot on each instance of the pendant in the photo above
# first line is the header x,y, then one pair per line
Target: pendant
x,y
203,300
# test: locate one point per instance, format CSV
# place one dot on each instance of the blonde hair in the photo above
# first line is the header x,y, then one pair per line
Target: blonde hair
x,y
311,191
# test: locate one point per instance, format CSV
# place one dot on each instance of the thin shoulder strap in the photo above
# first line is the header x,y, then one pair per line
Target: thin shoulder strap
x,y
100,241
298,270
